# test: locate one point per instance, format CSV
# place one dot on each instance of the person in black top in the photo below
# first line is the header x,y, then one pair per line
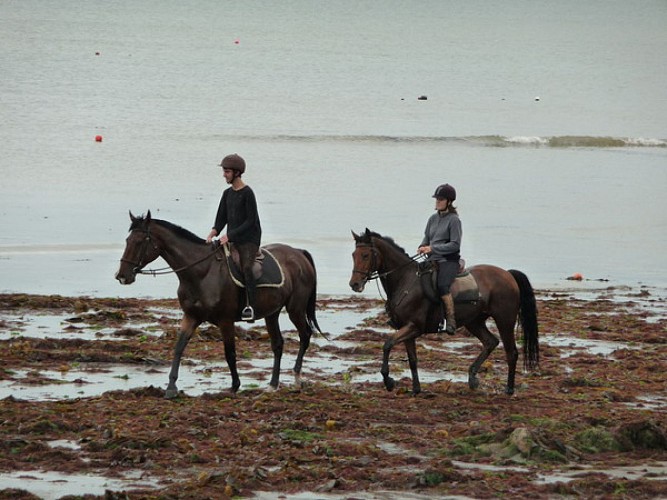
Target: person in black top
x,y
238,211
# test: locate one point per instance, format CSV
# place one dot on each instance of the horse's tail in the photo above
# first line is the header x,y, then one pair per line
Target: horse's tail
x,y
528,319
312,299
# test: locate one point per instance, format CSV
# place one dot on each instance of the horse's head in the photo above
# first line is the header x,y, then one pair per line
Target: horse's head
x,y
140,249
366,260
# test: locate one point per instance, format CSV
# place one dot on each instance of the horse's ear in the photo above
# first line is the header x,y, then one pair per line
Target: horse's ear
x,y
368,232
132,217
356,236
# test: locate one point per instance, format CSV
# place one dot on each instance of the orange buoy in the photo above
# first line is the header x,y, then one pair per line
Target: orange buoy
x,y
576,277
98,138
237,41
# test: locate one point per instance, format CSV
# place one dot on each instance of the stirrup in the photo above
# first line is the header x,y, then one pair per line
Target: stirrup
x,y
443,329
248,314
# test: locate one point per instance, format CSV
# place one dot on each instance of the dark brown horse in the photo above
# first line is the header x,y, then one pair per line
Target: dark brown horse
x,y
207,292
503,296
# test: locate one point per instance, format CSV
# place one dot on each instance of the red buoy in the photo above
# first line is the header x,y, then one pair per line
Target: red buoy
x,y
98,138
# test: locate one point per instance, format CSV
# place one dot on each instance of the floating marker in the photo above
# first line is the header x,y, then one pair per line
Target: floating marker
x,y
98,138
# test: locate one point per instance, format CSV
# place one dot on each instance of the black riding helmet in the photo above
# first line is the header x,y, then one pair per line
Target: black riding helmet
x,y
233,162
445,191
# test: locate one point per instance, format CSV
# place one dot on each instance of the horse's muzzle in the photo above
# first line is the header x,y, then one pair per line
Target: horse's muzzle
x,y
357,286
124,279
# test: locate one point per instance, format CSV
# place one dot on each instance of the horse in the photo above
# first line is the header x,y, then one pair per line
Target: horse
x,y
504,295
207,291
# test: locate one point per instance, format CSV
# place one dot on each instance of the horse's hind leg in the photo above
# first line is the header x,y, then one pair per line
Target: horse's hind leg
x,y
489,342
188,326
305,332
229,339
277,342
506,330
411,348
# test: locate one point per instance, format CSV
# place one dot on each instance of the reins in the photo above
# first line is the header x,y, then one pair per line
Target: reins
x,y
168,270
418,257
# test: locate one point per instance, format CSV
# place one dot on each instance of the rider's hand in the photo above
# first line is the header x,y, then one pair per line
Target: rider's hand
x,y
424,249
211,235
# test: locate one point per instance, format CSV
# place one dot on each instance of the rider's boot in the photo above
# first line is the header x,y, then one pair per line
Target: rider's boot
x,y
450,320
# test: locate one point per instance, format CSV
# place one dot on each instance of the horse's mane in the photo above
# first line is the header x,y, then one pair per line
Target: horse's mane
x,y
367,235
178,230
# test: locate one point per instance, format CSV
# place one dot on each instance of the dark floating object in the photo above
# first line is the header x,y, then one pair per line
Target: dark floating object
x,y
422,98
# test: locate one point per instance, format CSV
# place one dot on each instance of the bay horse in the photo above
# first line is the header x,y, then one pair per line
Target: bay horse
x,y
503,296
207,292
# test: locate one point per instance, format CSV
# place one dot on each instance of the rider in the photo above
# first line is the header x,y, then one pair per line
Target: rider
x,y
442,244
238,211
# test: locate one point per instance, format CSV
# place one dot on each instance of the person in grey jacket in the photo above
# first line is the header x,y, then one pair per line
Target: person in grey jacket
x,y
442,244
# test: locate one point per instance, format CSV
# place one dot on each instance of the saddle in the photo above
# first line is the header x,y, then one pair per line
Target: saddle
x,y
266,269
464,289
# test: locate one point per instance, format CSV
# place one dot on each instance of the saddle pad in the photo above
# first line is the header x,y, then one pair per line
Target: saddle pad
x,y
266,269
465,289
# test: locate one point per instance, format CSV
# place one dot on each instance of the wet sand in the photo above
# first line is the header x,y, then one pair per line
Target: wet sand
x,y
83,408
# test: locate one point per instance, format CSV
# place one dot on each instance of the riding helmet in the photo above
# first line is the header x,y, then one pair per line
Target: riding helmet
x,y
445,191
233,162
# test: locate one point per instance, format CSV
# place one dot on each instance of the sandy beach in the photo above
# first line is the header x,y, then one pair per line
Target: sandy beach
x,y
83,405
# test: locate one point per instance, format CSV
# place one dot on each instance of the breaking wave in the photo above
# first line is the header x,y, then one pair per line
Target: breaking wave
x,y
566,141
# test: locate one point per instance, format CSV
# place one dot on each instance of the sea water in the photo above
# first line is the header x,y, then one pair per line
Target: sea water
x,y
549,118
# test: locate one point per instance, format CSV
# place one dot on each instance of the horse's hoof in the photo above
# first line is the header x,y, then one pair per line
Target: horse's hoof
x,y
171,394
389,384
509,391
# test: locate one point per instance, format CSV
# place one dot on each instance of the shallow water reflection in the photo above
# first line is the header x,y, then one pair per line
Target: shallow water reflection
x,y
50,485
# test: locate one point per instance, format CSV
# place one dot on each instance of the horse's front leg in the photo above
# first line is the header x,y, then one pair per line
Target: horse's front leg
x,y
229,339
188,326
409,331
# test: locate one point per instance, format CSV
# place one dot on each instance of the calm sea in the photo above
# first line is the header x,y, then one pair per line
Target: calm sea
x,y
550,119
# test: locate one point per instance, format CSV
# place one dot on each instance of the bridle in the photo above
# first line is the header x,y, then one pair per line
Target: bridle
x,y
373,272
142,251
148,240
